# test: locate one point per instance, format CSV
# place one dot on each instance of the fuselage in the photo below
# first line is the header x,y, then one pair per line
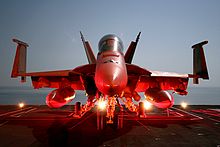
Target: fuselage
x,y
111,73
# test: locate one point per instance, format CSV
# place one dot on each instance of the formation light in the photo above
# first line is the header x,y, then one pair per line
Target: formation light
x,y
147,105
184,105
21,105
101,104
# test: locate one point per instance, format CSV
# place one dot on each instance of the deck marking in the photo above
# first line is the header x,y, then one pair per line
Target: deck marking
x,y
2,124
82,121
15,111
188,113
23,112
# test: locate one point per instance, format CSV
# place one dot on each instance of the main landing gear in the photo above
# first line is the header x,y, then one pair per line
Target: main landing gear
x,y
110,112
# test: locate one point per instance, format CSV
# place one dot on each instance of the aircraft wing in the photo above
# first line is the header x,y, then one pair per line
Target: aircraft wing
x,y
163,80
48,73
80,78
141,79
56,79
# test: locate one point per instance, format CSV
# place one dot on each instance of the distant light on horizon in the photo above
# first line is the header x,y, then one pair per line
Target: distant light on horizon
x,y
21,105
184,105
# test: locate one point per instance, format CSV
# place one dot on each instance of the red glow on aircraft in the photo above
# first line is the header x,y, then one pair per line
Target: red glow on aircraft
x,y
111,77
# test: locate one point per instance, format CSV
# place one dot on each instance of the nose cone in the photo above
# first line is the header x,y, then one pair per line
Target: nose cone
x,y
111,75
111,79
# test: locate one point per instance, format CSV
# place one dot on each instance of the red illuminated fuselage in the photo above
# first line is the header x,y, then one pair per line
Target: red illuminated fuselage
x,y
111,73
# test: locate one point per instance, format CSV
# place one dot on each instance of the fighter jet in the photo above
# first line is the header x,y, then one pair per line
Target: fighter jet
x,y
111,79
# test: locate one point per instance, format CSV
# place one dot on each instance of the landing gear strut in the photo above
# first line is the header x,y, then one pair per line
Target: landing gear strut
x,y
100,119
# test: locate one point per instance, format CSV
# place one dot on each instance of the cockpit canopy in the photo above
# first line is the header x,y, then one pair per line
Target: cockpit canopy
x,y
110,42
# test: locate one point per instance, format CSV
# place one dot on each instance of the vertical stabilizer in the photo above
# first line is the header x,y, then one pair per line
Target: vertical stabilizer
x,y
131,50
199,62
88,49
19,67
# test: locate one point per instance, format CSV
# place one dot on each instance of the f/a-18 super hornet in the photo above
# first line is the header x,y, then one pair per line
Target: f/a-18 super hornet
x,y
111,78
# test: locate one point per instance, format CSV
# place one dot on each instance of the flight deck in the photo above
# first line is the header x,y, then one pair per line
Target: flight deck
x,y
38,125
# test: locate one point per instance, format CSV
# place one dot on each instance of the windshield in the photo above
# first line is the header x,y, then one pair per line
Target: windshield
x,y
110,42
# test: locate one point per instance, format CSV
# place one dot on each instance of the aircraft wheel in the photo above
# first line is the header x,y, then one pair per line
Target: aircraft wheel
x,y
78,108
141,110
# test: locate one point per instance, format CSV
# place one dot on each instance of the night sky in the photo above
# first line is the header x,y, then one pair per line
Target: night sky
x,y
51,28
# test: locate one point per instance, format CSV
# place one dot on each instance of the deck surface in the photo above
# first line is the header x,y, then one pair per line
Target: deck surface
x,y
41,126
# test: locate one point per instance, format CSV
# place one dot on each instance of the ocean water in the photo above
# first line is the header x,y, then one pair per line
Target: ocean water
x,y
28,95
200,96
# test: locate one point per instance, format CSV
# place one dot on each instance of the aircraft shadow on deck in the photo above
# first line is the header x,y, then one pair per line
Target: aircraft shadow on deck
x,y
60,132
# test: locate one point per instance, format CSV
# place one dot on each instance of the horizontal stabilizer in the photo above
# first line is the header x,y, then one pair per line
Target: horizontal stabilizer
x,y
199,63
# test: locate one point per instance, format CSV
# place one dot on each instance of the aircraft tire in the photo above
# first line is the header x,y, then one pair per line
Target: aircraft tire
x,y
78,108
141,112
